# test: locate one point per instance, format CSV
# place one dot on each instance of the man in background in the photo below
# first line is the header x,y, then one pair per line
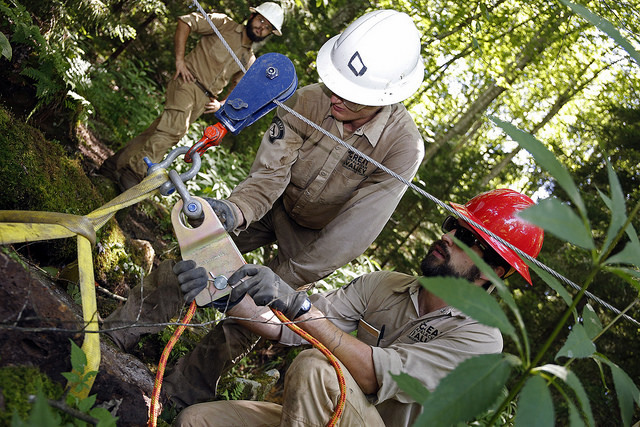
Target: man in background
x,y
199,78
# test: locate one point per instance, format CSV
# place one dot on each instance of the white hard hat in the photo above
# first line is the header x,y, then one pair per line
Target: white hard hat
x,y
375,61
273,13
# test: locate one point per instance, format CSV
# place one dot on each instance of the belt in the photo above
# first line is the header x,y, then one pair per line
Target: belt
x,y
204,89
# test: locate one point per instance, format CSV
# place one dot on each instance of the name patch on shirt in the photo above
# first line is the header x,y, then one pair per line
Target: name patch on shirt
x,y
276,130
423,333
356,163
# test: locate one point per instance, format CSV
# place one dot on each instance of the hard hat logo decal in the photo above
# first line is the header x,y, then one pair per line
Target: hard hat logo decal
x,y
356,65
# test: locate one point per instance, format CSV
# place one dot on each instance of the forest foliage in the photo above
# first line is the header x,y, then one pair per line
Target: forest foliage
x,y
539,96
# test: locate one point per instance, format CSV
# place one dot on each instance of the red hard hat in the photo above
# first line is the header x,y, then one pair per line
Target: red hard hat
x,y
495,210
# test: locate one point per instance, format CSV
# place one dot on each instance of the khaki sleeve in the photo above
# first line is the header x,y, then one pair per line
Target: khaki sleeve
x,y
199,24
271,170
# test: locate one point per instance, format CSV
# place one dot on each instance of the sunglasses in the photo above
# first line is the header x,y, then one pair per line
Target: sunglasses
x,y
465,235
351,105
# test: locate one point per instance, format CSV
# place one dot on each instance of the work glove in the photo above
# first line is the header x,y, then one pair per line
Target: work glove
x,y
225,212
268,289
194,279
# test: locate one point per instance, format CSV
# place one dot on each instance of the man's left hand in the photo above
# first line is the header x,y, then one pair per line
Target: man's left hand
x,y
267,289
212,106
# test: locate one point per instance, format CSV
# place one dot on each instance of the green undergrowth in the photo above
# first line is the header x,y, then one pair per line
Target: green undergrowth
x,y
17,384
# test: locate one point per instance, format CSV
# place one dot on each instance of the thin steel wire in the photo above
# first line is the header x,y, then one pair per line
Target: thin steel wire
x,y
420,190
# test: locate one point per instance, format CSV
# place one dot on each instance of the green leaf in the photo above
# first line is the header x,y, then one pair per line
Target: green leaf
x,y
544,158
626,390
572,381
411,386
553,283
87,403
591,322
560,220
471,300
575,420
616,205
105,418
605,26
627,274
468,390
629,255
41,414
503,291
627,393
535,406
78,358
72,377
5,46
578,344
485,11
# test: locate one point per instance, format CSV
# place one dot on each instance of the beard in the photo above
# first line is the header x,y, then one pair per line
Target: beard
x,y
431,266
251,34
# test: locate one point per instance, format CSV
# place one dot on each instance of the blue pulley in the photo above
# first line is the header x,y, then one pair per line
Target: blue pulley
x,y
272,77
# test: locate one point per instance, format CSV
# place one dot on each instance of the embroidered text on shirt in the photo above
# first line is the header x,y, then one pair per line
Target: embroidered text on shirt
x,y
356,163
423,332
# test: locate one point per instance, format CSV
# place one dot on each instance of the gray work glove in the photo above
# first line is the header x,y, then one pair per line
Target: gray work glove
x,y
224,210
268,289
194,279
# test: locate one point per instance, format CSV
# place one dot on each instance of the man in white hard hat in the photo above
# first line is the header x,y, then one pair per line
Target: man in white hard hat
x,y
322,203
199,78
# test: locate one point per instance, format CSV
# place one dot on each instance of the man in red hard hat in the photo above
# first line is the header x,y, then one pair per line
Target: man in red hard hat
x,y
423,336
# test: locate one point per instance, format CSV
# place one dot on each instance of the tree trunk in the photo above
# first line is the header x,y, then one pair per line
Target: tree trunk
x,y
493,91
38,321
126,43
562,99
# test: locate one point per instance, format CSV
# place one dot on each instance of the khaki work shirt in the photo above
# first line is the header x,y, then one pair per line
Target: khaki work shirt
x,y
209,61
426,347
323,185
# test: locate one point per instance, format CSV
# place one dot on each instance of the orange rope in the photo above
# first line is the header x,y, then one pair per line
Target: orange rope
x,y
157,385
337,412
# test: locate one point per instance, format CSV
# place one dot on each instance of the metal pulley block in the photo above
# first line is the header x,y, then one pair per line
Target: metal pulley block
x,y
271,77
210,247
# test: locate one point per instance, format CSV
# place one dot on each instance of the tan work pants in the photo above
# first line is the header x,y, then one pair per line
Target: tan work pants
x,y
153,302
184,104
311,393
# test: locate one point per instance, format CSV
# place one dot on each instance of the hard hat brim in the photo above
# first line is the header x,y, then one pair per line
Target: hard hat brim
x,y
506,253
276,30
334,79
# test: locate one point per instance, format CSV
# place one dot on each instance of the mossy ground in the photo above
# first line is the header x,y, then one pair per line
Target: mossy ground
x,y
17,383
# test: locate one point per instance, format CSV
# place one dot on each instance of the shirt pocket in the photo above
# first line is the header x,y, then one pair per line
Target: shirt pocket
x,y
367,333
340,187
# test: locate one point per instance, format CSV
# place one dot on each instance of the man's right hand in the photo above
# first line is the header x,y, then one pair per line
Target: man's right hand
x,y
183,71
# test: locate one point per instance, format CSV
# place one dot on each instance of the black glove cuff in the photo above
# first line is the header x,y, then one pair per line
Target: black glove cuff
x,y
306,306
223,305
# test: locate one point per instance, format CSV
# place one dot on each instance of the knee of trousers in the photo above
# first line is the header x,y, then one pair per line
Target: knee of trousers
x,y
311,369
